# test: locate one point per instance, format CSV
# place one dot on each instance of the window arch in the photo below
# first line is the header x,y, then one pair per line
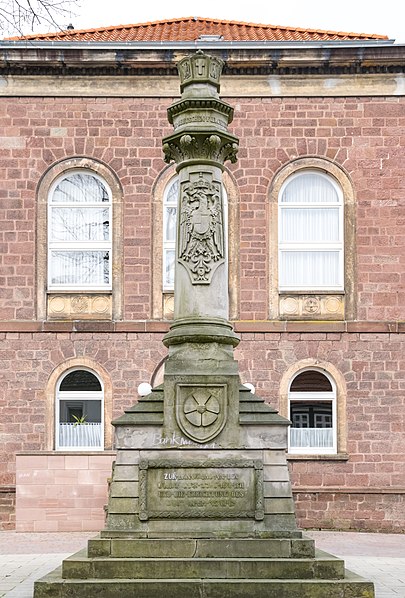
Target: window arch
x,y
79,416
79,232
311,232
312,411
312,242
169,232
313,396
79,237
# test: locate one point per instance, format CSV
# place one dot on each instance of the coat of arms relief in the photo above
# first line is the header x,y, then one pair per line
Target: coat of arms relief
x,y
201,235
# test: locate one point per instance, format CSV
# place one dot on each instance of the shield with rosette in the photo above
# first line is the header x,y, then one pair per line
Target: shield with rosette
x,y
201,411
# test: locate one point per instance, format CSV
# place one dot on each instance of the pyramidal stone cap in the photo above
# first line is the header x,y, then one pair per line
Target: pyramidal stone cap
x,y
200,68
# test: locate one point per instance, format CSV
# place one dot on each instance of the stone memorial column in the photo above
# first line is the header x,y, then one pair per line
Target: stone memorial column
x,y
201,339
200,145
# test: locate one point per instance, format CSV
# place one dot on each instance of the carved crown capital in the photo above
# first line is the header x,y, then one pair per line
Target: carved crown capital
x,y
201,146
200,68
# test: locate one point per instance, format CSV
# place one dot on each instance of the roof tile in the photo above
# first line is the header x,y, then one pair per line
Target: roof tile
x,y
191,28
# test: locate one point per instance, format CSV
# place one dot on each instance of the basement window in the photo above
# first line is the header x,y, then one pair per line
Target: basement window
x,y
312,411
79,412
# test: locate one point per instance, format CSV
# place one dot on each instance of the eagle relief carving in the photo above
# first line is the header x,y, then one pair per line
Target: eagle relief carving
x,y
201,236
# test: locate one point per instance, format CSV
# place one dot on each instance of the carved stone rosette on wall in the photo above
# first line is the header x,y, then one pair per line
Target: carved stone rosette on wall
x,y
312,307
79,306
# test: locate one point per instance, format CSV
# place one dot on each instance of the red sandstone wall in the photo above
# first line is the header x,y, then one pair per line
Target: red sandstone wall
x,y
7,507
372,364
363,135
59,492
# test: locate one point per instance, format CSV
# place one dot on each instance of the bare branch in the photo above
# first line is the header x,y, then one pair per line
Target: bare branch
x,y
21,17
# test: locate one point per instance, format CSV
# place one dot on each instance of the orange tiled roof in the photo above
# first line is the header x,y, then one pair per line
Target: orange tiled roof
x,y
190,29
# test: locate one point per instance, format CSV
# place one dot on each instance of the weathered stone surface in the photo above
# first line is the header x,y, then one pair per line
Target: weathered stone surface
x,y
201,548
79,567
126,472
153,548
124,489
351,587
277,489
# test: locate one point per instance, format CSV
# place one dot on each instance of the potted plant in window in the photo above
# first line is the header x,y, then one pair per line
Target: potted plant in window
x,y
80,420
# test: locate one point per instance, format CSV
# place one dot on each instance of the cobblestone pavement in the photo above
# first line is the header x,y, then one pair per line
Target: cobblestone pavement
x,y
27,557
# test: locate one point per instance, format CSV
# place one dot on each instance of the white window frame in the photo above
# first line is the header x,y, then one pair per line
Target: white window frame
x,y
104,246
312,246
78,396
171,245
312,397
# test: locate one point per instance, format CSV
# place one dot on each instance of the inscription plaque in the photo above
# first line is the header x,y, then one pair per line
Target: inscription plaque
x,y
201,489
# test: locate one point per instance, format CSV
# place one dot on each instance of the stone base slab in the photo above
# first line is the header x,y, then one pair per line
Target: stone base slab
x,y
53,586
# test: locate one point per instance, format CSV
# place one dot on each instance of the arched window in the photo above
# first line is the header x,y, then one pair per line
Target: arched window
x,y
170,198
79,411
169,232
312,411
79,232
311,233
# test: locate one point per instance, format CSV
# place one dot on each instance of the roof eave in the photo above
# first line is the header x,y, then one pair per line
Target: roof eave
x,y
197,44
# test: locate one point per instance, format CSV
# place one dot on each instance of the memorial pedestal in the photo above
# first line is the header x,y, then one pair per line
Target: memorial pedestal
x,y
188,521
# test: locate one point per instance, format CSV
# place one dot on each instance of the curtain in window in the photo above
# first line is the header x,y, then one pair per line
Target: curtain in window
x,y
87,435
310,225
316,269
170,228
310,187
310,233
79,412
169,233
80,268
311,437
80,188
79,233
312,411
80,224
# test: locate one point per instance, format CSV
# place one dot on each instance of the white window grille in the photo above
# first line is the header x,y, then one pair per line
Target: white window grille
x,y
79,412
311,233
312,411
79,233
169,232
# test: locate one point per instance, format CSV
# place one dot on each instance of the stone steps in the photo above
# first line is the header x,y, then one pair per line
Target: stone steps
x,y
324,566
201,548
124,567
54,586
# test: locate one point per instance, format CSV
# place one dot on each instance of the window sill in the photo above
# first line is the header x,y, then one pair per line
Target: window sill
x,y
300,292
63,452
318,457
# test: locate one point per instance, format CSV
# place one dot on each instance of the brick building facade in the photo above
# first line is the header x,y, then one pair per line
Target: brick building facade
x,y
327,353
